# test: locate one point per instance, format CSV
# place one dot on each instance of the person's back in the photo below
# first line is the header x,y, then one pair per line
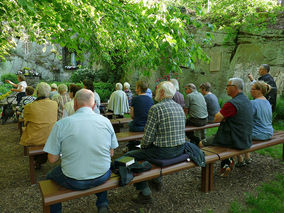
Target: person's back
x,y
170,129
212,106
262,120
118,102
39,116
85,142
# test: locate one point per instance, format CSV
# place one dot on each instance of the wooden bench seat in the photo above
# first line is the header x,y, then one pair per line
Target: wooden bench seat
x,y
118,122
121,137
225,153
53,193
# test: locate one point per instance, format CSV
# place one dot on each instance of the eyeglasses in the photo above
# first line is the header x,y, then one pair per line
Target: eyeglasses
x,y
230,85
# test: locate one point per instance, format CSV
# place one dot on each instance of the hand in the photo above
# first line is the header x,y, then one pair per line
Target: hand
x,y
8,81
250,77
111,152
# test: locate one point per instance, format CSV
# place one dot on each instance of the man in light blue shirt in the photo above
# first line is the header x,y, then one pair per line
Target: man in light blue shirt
x,y
85,142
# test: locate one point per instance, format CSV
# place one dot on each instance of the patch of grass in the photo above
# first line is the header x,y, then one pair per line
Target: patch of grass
x,y
211,131
274,151
269,198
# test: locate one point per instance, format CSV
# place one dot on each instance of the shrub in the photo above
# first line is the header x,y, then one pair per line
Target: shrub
x,y
9,76
104,90
80,74
4,88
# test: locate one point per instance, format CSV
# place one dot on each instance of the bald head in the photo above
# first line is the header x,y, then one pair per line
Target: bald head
x,y
84,98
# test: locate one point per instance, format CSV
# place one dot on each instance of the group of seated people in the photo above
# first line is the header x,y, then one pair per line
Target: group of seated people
x,y
85,141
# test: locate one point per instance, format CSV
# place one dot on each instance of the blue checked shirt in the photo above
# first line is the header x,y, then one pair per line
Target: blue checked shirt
x,y
165,125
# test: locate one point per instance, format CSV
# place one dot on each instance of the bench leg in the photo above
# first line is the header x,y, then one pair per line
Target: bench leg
x,y
32,169
45,209
207,178
116,128
25,150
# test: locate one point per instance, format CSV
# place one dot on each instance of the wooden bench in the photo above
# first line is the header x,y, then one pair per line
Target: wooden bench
x,y
52,193
132,136
121,137
225,153
118,122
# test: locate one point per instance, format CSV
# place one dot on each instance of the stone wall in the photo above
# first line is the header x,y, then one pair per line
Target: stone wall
x,y
41,58
240,56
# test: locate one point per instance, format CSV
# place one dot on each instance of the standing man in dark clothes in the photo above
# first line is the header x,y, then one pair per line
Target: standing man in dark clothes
x,y
267,78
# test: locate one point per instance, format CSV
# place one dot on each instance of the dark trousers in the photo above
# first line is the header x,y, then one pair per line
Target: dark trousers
x,y
195,122
154,152
57,175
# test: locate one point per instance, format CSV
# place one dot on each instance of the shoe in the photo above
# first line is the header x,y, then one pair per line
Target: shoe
x,y
103,209
125,150
157,186
225,171
248,161
241,164
142,199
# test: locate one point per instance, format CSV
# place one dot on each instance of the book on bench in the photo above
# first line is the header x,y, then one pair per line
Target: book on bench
x,y
124,161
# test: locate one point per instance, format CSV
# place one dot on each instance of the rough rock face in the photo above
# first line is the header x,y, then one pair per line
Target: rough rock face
x,y
41,58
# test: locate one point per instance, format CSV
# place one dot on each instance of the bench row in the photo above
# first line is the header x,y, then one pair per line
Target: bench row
x,y
53,193
121,137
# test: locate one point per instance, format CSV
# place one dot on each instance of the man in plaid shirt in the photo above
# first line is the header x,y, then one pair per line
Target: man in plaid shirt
x,y
164,136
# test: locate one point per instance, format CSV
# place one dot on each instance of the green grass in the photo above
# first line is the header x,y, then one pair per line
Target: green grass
x,y
274,151
269,199
270,196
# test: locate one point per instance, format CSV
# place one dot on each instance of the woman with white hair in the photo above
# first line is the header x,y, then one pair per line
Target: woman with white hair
x,y
128,92
61,99
118,102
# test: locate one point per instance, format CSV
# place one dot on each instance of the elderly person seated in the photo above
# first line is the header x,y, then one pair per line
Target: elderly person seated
x,y
53,91
26,100
89,84
236,122
39,118
61,99
68,108
178,97
262,116
158,142
118,102
196,109
87,142
126,87
211,101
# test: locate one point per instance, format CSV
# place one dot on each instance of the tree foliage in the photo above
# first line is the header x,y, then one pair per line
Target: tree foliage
x,y
128,33
133,33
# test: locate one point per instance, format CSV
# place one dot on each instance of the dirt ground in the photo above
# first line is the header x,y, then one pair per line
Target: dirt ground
x,y
180,192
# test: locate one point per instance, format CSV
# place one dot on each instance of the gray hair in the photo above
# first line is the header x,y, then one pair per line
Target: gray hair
x,y
191,86
175,83
43,89
118,86
53,86
85,97
126,85
62,88
238,82
266,67
169,89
